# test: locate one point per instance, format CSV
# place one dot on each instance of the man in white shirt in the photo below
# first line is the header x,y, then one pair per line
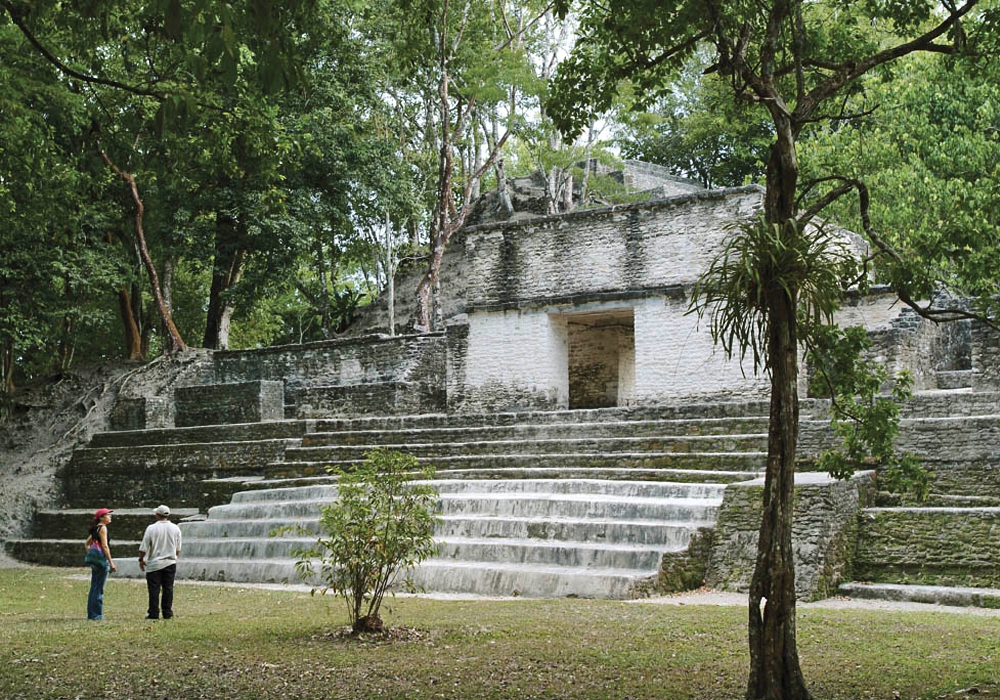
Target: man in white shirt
x,y
158,552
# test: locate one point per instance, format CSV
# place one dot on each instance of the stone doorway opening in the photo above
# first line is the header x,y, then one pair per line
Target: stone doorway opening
x,y
601,354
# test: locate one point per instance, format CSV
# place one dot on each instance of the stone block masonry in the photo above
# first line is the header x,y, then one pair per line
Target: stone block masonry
x,y
142,413
931,546
119,477
416,360
218,404
824,533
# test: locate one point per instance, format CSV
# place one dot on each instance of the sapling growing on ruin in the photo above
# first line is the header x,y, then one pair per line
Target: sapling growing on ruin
x,y
381,525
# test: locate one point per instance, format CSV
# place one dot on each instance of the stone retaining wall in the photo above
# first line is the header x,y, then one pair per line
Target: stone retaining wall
x,y
823,533
936,546
123,477
220,404
141,413
416,359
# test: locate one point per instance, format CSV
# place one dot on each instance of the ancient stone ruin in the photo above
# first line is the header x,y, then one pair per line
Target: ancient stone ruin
x,y
588,437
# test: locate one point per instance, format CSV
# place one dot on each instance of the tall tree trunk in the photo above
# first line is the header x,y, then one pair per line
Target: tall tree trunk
x,y
442,225
7,368
227,271
66,346
172,341
133,338
775,673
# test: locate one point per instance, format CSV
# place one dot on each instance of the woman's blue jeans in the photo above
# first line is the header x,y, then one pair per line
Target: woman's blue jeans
x,y
95,601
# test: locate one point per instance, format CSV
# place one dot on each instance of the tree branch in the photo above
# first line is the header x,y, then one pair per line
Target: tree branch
x,y
850,71
864,201
18,21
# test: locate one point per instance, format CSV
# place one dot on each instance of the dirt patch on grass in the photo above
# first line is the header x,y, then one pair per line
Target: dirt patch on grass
x,y
388,635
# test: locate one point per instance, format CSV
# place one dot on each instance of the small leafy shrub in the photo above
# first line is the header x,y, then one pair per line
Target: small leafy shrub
x,y
381,525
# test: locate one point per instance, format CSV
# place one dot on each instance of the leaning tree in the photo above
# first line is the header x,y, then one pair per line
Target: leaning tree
x,y
798,60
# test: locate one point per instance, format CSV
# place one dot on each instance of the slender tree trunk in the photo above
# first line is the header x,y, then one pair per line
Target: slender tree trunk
x,y
227,271
775,673
133,338
441,228
503,190
66,345
7,368
172,341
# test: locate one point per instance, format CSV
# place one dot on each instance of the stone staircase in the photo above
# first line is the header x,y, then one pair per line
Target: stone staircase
x,y
698,442
528,537
554,503
542,504
943,549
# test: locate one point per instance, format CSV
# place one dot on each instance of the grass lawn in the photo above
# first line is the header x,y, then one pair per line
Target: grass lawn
x,y
230,642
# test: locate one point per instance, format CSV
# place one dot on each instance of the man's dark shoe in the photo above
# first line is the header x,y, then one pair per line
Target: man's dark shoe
x,y
152,617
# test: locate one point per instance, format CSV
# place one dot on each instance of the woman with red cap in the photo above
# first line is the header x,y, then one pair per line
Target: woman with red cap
x,y
101,563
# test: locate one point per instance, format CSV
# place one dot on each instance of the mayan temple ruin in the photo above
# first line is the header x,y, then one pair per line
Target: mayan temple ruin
x,y
589,438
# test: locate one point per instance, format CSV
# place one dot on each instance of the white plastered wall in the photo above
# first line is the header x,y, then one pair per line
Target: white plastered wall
x,y
520,357
675,358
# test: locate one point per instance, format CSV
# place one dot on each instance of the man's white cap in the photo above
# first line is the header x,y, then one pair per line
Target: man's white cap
x,y
162,510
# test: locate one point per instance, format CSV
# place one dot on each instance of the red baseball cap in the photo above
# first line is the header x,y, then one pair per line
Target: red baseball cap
x,y
101,512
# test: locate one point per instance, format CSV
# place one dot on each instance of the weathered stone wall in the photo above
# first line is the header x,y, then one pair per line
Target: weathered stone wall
x,y
126,477
415,360
675,358
935,546
383,399
985,357
685,570
611,250
902,340
142,413
218,404
508,360
823,534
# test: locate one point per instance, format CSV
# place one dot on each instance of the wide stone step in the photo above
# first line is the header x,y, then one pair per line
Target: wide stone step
x,y
516,504
573,554
704,461
951,402
657,533
693,411
246,547
700,444
70,553
128,523
237,570
325,489
541,431
946,500
960,596
605,507
238,432
276,511
626,489
526,580
476,578
260,529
